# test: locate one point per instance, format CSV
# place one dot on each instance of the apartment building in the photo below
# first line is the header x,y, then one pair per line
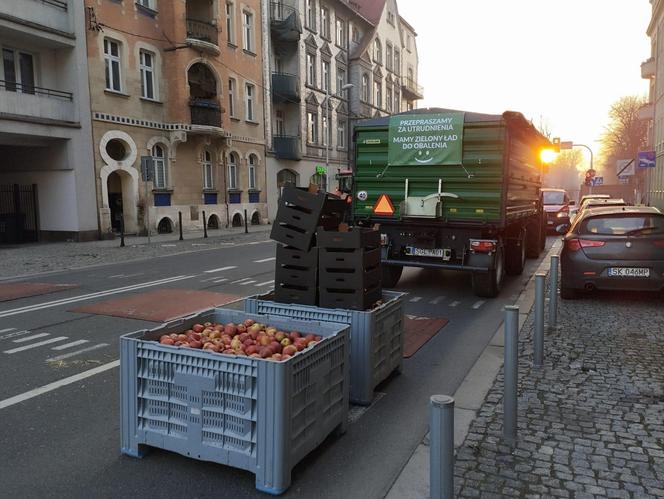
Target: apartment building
x,y
328,63
47,185
411,90
652,69
177,84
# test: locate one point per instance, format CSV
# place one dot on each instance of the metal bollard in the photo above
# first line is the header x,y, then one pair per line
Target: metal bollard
x,y
204,226
538,340
510,373
441,447
246,229
553,292
122,243
180,224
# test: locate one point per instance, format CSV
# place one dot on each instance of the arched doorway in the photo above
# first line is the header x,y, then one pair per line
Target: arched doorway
x,y
165,226
255,219
237,220
213,222
115,201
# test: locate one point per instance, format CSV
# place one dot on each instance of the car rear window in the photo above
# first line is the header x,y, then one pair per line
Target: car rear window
x,y
623,225
554,197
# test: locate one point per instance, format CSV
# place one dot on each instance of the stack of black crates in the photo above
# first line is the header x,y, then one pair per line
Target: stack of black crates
x,y
301,213
349,274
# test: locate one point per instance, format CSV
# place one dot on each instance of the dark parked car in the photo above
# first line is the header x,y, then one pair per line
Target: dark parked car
x,y
556,205
618,248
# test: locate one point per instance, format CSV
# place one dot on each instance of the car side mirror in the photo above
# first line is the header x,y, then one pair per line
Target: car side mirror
x,y
562,228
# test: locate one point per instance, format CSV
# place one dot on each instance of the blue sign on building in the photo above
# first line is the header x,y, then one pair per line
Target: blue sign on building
x,y
647,159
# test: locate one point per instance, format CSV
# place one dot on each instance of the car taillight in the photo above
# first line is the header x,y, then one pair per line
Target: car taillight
x,y
482,245
659,244
577,244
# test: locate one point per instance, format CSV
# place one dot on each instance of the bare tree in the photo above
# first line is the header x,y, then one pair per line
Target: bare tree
x,y
626,134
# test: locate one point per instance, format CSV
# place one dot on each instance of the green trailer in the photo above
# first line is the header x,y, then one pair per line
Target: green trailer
x,y
451,190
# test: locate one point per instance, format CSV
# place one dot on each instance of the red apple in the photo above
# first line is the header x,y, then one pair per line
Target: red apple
x,y
285,357
241,328
166,340
198,328
256,355
195,344
230,329
286,341
182,337
276,356
294,335
276,346
265,352
289,350
251,349
249,322
310,338
264,340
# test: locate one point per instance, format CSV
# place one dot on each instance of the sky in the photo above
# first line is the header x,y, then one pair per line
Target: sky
x,y
563,62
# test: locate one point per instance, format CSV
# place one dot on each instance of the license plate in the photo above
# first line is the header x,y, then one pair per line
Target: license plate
x,y
550,222
628,272
435,252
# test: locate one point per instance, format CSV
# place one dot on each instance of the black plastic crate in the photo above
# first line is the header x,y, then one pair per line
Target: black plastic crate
x,y
293,257
348,259
349,279
355,238
292,276
349,298
285,293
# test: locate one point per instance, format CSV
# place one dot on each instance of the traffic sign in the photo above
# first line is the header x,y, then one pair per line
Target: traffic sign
x,y
647,159
566,145
598,181
384,206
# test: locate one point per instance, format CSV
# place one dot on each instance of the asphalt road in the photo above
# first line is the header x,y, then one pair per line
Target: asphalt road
x,y
66,442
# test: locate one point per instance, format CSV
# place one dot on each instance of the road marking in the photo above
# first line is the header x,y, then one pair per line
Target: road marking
x,y
116,275
266,259
415,299
35,345
91,296
212,271
454,303
77,352
17,399
247,282
241,280
437,300
132,275
264,283
33,337
15,334
478,304
70,345
7,330
220,280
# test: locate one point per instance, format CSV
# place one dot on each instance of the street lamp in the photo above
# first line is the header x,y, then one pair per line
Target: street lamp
x,y
328,132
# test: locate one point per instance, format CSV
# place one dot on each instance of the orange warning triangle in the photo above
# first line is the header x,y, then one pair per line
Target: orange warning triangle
x,y
383,206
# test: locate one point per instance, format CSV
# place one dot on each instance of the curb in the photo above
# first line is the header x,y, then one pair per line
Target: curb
x,y
413,481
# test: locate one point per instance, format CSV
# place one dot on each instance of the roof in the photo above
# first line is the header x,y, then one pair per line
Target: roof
x,y
552,189
371,10
514,120
610,210
407,25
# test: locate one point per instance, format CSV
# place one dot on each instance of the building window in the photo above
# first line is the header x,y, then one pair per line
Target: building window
x,y
113,63
248,31
147,3
311,14
355,34
341,32
388,98
232,171
397,61
378,94
253,163
397,101
231,97
341,78
159,160
325,22
320,179
208,171
409,42
312,127
147,75
326,76
326,131
411,75
366,96
279,123
311,70
341,134
230,22
378,52
388,56
18,69
250,94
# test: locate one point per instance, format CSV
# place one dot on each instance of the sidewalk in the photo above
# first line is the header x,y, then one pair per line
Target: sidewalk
x,y
29,259
591,421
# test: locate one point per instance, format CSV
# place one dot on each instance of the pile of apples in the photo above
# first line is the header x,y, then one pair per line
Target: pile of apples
x,y
249,339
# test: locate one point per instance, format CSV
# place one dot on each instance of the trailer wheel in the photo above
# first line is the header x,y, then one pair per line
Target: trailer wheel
x,y
489,284
533,238
515,258
391,275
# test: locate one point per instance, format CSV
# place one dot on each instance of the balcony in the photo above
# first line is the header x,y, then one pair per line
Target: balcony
x,y
47,15
285,88
285,23
411,89
203,35
648,68
36,103
287,147
646,112
205,112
